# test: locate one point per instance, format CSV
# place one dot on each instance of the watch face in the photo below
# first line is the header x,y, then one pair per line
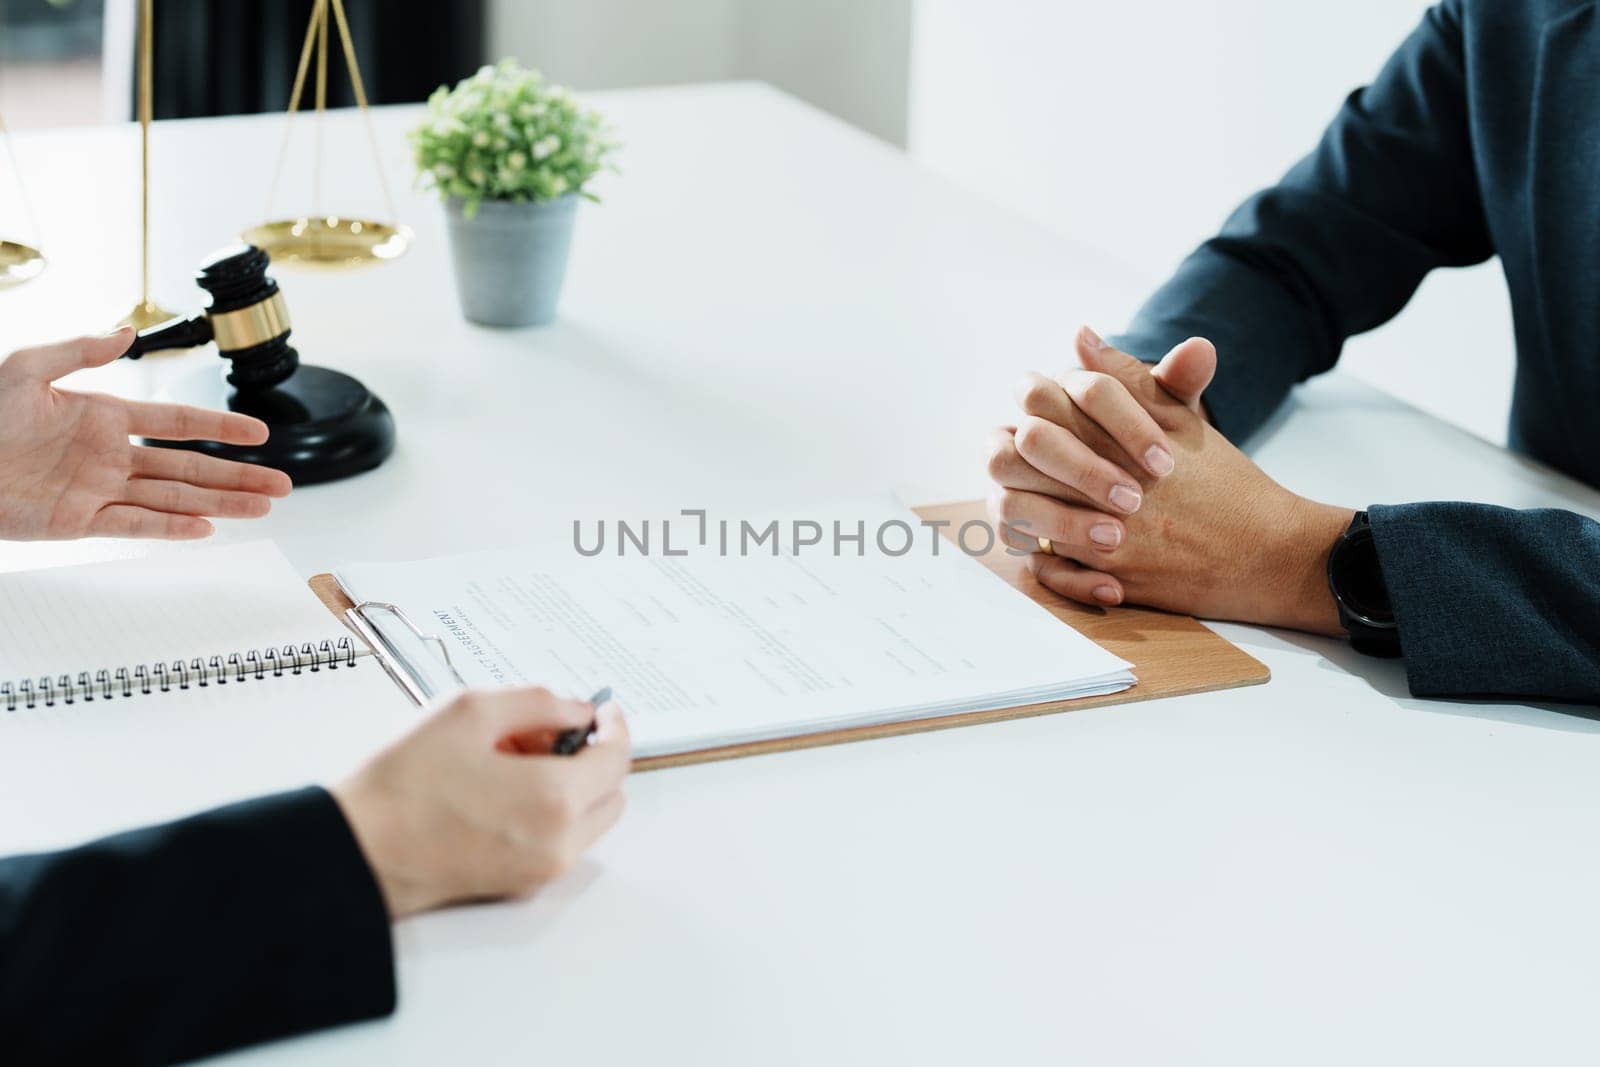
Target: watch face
x,y
1358,579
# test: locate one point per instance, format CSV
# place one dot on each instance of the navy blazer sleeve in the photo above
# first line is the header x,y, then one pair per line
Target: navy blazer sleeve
x,y
1340,244
1494,602
239,925
1490,602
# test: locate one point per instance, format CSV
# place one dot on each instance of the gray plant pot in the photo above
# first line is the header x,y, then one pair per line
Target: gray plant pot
x,y
510,258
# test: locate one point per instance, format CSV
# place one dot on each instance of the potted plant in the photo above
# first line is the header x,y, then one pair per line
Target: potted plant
x,y
511,157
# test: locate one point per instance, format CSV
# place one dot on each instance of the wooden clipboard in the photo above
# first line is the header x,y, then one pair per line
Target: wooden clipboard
x,y
1172,655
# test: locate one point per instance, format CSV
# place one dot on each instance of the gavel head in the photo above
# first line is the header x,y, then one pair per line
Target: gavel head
x,y
247,318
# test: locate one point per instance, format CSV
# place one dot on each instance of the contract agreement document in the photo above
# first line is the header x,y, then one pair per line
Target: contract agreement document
x,y
727,640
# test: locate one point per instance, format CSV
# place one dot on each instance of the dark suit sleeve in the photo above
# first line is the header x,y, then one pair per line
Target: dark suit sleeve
x,y
242,924
1494,602
1340,244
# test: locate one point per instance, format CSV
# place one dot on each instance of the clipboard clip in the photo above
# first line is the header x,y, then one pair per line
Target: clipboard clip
x,y
359,612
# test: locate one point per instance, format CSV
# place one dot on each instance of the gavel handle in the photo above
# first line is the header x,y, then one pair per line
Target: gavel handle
x,y
185,333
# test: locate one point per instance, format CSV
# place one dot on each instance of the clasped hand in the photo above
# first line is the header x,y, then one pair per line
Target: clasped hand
x,y
1144,501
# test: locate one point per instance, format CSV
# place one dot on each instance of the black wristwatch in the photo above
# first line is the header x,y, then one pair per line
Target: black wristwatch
x,y
1356,578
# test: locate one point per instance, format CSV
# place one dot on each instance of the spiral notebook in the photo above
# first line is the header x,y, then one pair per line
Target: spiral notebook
x,y
141,690
146,629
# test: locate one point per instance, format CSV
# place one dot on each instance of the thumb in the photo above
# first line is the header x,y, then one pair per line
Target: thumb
x,y
524,718
1187,370
49,362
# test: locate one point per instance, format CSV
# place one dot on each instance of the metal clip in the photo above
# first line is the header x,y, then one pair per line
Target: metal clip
x,y
416,631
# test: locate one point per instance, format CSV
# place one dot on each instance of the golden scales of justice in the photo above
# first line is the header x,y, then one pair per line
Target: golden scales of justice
x,y
321,240
20,261
312,240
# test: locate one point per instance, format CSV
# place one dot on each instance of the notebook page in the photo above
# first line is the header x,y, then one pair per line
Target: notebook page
x,y
67,777
709,648
214,600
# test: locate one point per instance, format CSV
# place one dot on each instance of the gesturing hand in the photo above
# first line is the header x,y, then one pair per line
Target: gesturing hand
x,y
68,470
1143,500
470,805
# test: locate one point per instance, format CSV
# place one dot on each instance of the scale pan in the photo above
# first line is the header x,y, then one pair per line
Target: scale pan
x,y
330,243
18,263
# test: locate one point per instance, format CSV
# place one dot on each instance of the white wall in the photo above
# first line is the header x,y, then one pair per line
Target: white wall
x,y
1137,128
850,57
606,44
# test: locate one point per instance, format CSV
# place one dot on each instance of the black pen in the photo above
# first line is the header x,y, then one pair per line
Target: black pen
x,y
568,742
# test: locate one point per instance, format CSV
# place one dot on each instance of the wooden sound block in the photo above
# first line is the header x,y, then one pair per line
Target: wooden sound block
x,y
1172,655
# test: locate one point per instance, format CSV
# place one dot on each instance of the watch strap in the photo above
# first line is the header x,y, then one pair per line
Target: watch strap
x,y
1367,636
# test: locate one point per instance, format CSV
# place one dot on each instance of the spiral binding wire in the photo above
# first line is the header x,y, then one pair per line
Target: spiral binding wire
x,y
198,673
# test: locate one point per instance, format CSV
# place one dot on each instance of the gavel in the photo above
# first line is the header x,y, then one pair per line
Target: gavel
x,y
324,425
247,318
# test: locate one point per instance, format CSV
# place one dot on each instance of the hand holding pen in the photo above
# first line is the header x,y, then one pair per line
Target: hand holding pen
x,y
570,741
470,805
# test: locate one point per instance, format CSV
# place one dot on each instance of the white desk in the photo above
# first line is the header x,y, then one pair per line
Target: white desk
x,y
769,307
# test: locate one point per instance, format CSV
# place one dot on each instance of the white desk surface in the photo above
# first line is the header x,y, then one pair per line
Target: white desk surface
x,y
770,307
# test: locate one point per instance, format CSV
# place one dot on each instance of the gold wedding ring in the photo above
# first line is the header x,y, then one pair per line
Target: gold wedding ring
x,y
1045,546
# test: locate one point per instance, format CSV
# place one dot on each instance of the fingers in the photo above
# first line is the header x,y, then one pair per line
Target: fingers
x,y
180,499
1018,538
601,817
196,468
1095,355
1075,581
1187,370
448,814
506,714
1073,530
563,803
555,836
587,788
49,362
610,751
1044,397
1009,470
1058,453
177,422
601,765
1107,401
127,520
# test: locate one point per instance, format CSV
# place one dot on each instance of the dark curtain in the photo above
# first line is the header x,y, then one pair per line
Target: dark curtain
x,y
227,57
